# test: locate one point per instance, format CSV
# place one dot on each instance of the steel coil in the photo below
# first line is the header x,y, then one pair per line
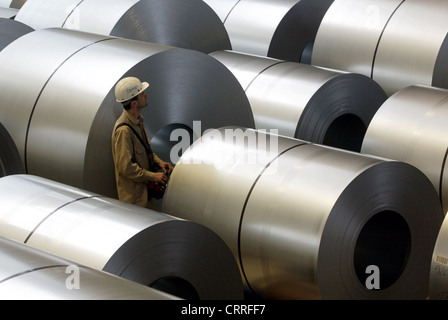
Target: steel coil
x,y
27,273
58,86
189,24
166,253
306,102
411,127
398,43
279,29
11,30
306,221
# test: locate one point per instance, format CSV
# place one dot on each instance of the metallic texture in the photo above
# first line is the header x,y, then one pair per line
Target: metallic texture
x,y
28,273
189,24
5,3
296,232
398,43
10,162
222,7
438,282
410,45
137,244
306,102
280,29
8,13
11,30
349,34
58,86
411,127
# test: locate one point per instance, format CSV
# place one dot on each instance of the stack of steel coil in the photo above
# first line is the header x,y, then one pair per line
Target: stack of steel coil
x,y
28,273
145,246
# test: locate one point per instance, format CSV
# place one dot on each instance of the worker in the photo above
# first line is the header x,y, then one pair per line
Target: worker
x,y
136,166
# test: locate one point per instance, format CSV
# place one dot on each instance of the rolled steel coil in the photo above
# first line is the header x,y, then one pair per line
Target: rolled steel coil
x,y
306,221
11,30
27,273
278,29
306,102
411,127
398,43
57,99
10,162
189,24
172,255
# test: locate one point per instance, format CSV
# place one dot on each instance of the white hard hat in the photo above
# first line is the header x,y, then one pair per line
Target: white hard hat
x,y
128,88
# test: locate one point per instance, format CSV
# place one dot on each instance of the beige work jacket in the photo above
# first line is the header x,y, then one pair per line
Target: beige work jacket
x,y
131,161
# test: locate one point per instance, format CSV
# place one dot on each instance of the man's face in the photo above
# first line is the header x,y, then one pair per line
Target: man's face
x,y
142,100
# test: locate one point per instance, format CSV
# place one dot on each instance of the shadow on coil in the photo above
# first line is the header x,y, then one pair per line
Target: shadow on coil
x,y
11,30
10,162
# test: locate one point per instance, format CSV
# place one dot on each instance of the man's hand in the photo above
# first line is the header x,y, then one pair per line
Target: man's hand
x,y
160,177
166,167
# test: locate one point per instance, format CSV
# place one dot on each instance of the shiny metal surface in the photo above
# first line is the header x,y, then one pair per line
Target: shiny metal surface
x,y
10,162
439,265
411,127
410,45
189,24
278,29
350,33
251,24
5,3
11,30
297,217
222,7
218,197
134,243
70,121
28,273
397,43
46,13
26,65
245,67
85,16
8,13
62,122
311,103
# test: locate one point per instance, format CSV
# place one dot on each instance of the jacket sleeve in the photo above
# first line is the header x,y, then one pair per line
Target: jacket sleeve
x,y
157,160
123,150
